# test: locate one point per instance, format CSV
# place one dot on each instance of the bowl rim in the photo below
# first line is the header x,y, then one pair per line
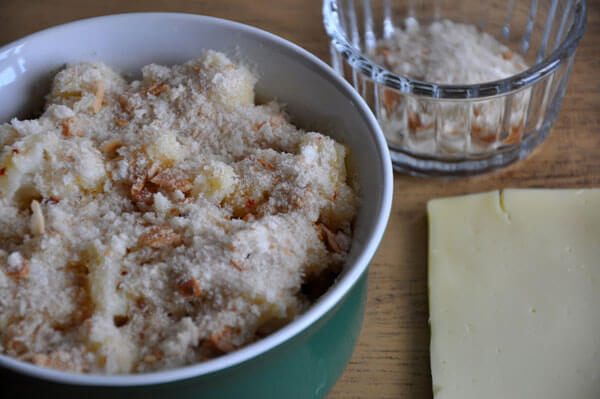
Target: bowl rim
x,y
381,75
325,304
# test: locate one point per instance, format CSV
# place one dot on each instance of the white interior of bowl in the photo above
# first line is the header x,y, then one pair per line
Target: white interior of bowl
x,y
314,94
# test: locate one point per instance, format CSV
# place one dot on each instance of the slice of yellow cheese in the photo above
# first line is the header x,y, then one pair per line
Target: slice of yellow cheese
x,y
514,295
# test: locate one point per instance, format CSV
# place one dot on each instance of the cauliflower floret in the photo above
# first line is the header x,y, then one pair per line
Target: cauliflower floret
x,y
230,85
83,86
215,181
44,164
323,152
165,149
17,167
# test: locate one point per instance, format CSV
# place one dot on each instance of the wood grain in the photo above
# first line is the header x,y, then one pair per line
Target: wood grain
x,y
392,356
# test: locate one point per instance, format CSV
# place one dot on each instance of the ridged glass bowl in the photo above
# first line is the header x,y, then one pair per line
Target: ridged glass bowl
x,y
460,130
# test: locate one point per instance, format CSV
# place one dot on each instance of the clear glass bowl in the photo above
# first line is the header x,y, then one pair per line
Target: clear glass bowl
x,y
436,129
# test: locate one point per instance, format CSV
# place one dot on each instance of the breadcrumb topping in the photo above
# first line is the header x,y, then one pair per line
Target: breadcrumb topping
x,y
156,223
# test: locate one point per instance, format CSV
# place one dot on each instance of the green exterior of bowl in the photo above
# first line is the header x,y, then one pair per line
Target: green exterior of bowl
x,y
304,367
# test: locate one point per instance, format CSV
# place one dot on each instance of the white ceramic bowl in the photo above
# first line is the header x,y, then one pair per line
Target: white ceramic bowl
x,y
316,97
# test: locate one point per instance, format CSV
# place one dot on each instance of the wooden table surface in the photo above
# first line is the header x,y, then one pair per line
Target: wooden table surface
x,y
392,356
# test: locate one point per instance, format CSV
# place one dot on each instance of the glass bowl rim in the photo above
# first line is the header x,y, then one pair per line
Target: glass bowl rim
x,y
405,85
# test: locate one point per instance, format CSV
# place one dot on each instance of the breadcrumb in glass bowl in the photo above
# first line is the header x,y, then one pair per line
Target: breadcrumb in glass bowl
x,y
458,89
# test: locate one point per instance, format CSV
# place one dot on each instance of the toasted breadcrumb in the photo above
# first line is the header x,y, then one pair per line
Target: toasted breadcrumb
x,y
37,219
99,97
